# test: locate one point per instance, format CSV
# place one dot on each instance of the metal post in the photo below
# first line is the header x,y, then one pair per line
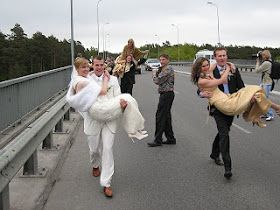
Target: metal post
x,y
48,141
178,53
215,5
72,35
158,45
98,26
67,115
59,126
103,38
5,199
31,165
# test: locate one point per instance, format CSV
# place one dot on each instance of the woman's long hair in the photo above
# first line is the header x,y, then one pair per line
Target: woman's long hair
x,y
196,69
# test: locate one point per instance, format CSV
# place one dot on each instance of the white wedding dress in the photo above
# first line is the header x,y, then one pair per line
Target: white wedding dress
x,y
105,109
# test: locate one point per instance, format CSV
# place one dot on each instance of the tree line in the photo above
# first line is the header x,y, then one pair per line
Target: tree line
x,y
20,55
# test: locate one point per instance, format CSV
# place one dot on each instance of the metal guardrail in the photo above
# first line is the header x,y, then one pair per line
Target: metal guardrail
x,y
22,151
32,107
22,95
241,67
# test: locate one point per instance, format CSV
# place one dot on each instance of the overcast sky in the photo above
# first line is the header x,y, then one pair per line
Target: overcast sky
x,y
251,22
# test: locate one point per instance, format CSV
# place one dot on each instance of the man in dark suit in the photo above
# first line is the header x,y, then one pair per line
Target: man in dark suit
x,y
221,142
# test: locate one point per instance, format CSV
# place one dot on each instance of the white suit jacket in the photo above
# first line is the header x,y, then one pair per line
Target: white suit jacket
x,y
93,127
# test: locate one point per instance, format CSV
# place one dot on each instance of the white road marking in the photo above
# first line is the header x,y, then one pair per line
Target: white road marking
x,y
242,129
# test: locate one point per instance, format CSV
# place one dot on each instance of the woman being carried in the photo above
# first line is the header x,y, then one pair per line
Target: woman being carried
x,y
86,95
131,50
250,100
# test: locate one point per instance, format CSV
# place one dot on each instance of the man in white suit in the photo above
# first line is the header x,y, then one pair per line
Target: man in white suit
x,y
101,135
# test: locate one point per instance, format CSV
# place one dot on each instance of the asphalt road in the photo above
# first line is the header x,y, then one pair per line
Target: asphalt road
x,y
178,176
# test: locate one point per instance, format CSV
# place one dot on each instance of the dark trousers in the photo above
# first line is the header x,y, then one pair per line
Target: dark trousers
x,y
163,117
221,143
126,87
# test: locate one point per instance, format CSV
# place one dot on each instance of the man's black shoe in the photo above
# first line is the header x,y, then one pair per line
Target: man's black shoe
x,y
169,142
228,174
217,160
154,144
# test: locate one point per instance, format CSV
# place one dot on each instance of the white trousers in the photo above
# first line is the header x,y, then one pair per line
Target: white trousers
x,y
101,154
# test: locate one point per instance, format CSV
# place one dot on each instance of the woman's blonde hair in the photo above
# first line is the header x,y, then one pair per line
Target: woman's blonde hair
x,y
132,41
266,55
79,62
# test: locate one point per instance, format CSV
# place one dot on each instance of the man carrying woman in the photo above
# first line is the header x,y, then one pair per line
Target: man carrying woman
x,y
99,100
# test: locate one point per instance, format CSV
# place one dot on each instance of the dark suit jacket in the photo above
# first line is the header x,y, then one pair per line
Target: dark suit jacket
x,y
235,83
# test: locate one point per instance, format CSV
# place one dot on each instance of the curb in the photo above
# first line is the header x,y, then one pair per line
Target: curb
x,y
54,173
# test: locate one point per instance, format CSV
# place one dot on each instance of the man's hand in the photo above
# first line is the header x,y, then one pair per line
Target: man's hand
x,y
123,104
107,74
205,94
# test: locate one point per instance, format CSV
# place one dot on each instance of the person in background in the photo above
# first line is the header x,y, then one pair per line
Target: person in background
x,y
110,65
263,66
164,78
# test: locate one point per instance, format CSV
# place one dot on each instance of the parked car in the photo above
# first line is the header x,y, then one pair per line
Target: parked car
x,y
152,63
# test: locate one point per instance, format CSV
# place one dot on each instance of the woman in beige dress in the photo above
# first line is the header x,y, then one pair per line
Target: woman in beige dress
x,y
250,100
128,50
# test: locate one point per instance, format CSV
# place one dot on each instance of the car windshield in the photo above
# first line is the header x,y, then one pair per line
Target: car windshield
x,y
153,61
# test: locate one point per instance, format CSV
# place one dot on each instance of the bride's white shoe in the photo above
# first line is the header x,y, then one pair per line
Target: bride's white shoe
x,y
137,135
142,132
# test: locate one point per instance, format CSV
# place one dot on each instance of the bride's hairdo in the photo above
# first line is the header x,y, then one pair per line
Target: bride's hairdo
x,y
79,61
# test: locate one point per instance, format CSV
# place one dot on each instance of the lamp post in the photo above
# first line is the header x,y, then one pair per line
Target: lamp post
x,y
215,5
98,26
103,36
158,44
107,35
72,35
178,53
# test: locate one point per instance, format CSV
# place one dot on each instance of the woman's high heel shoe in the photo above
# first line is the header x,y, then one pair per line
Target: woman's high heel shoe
x,y
259,123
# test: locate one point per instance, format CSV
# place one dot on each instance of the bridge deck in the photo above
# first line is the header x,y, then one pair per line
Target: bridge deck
x,y
180,176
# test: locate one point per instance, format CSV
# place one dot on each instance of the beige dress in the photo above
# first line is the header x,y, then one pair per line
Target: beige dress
x,y
239,102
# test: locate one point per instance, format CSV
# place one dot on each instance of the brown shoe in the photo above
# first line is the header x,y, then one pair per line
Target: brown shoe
x,y
108,192
95,172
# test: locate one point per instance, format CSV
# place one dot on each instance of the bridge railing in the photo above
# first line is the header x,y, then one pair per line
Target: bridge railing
x,y
19,97
22,95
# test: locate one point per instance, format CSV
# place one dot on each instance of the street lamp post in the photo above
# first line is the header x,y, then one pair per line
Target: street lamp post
x,y
178,53
98,26
158,44
107,35
215,5
103,36
72,35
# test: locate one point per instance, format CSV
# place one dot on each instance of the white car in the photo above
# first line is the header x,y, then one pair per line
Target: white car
x,y
151,64
206,54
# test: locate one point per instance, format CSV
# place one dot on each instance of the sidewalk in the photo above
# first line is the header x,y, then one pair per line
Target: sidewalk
x,y
31,192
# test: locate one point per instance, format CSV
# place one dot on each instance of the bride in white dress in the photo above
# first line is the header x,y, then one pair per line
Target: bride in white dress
x,y
86,95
